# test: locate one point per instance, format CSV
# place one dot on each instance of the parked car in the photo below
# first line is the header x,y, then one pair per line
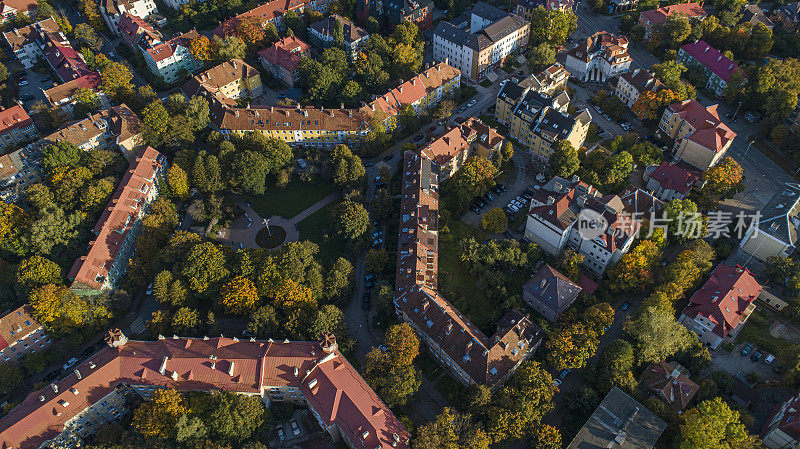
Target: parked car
x,y
488,197
502,187
369,276
369,164
150,289
625,305
479,201
388,157
281,436
769,359
746,348
27,97
757,355
23,82
378,242
418,138
508,235
472,103
369,285
383,348
557,382
70,363
475,209
564,373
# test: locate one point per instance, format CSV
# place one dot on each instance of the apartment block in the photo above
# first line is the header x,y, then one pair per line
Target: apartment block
x,y
782,430
20,334
113,10
16,127
525,8
775,233
118,227
282,59
701,138
471,138
9,9
715,66
490,36
28,42
632,84
312,374
600,57
653,18
722,306
272,12
321,34
232,79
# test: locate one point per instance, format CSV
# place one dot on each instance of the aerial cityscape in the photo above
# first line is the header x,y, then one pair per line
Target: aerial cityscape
x,y
419,224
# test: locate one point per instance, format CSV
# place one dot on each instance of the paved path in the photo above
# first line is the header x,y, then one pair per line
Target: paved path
x,y
315,207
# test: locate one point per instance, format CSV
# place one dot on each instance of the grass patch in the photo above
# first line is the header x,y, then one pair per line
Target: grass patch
x,y
295,198
756,331
316,228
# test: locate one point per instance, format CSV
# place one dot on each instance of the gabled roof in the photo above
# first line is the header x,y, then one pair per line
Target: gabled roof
x,y
285,53
671,176
670,382
710,131
21,6
267,12
164,50
20,37
724,298
753,14
780,215
351,31
642,80
12,118
460,138
219,76
639,203
16,325
712,59
63,91
551,289
503,24
659,15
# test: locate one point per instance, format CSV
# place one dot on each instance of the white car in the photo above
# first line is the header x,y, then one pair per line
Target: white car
x,y
471,103
295,427
23,82
281,436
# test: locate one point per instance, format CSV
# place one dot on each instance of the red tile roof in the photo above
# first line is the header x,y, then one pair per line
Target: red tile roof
x,y
659,15
712,59
459,139
12,118
724,298
117,220
710,131
164,50
670,382
285,53
670,176
339,396
16,325
64,91
267,12
22,6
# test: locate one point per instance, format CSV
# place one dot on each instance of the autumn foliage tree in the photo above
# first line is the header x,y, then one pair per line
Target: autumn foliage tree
x,y
635,270
473,178
249,30
60,310
712,425
158,417
571,346
239,296
546,436
392,373
650,104
201,48
521,403
722,177
494,221
291,295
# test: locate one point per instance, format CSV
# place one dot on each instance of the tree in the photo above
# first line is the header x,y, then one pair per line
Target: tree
x,y
178,181
155,121
634,271
551,27
373,27
250,30
444,109
658,335
685,221
541,56
494,221
713,425
197,112
507,151
394,383
13,222
60,310
521,403
291,295
201,48
158,417
234,417
376,260
473,178
570,263
60,154
339,278
239,296
185,321
35,272
3,74
722,177
564,161
673,31
230,47
204,266
650,105
39,196
546,436
402,344
451,430
263,322
116,80
571,346
347,167
88,36
615,365
598,317
86,102
350,220
11,377
760,41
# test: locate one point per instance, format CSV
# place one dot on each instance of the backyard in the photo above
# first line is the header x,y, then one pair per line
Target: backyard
x,y
291,200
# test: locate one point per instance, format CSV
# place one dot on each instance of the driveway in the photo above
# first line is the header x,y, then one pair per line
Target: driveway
x,y
734,363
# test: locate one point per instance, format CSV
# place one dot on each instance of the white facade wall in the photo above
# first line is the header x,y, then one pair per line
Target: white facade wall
x,y
453,54
139,8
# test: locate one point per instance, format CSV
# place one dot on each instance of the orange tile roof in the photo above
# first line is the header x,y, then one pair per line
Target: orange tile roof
x,y
12,118
16,325
710,132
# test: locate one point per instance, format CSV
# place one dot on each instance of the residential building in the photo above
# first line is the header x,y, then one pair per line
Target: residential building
x,y
472,138
395,12
539,120
525,8
670,181
549,292
171,59
787,16
16,127
9,9
20,334
113,10
118,227
114,128
619,422
639,203
306,373
64,95
670,382
64,60
600,57
549,81
560,209
632,84
232,79
487,40
18,171
782,430
651,19
721,307
715,66
468,353
282,59
753,14
775,232
272,13
615,6
772,300
27,42
322,34
701,138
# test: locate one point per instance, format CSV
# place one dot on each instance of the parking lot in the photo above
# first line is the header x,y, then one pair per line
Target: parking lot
x,y
734,362
32,88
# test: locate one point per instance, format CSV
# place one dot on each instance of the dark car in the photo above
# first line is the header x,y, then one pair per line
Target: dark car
x,y
369,285
488,197
480,203
475,209
757,355
419,138
459,120
625,305
27,97
746,348
388,157
508,235
502,187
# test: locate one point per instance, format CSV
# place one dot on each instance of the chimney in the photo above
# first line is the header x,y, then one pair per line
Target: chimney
x,y
296,371
54,386
163,369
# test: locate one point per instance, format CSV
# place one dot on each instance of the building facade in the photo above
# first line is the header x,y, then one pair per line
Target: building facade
x,y
322,34
600,57
775,233
782,430
715,66
232,79
653,18
492,36
21,334
170,59
16,127
472,138
722,306
27,43
118,227
64,95
632,84
701,138
112,11
282,59
272,12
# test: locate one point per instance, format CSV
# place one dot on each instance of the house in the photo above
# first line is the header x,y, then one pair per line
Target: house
x,y
170,59
716,66
670,181
560,209
282,59
231,79
600,57
549,292
272,13
64,95
670,382
639,203
16,127
113,10
9,9
651,19
18,171
525,8
115,128
26,42
753,14
632,84
451,149
619,422
20,334
772,300
701,138
490,36
549,81
471,356
395,12
721,307
775,232
312,374
787,16
782,430
322,34
118,227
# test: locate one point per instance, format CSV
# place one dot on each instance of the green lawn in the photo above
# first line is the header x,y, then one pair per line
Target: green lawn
x,y
292,200
316,228
756,332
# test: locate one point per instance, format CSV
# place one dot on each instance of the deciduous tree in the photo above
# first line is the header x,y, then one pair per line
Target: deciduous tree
x,y
157,417
350,220
494,221
657,334
571,346
564,161
239,296
201,48
713,425
376,260
723,176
